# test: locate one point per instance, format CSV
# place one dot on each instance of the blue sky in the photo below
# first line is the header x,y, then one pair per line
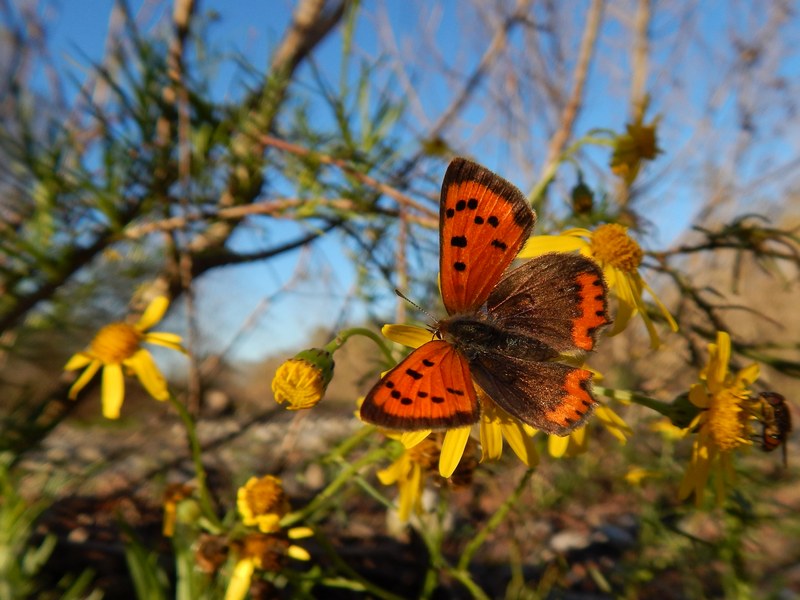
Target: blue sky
x,y
78,29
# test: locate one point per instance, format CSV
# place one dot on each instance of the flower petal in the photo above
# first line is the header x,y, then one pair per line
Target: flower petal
x,y
407,335
719,370
542,244
85,377
455,440
298,533
698,396
148,374
409,439
521,443
113,391
153,313
557,445
615,425
410,493
78,361
491,438
239,583
664,311
578,442
748,375
626,302
393,472
168,340
298,553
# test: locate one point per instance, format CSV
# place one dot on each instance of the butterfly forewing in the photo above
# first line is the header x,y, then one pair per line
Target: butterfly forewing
x,y
551,397
483,222
430,389
559,299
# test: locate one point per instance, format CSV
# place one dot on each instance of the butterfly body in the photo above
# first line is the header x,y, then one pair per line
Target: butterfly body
x,y
504,332
475,336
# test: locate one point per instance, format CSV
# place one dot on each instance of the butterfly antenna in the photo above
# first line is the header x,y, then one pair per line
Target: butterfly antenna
x,y
414,304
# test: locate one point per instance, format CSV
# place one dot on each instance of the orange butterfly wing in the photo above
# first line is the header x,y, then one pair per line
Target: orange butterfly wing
x,y
483,222
549,396
430,389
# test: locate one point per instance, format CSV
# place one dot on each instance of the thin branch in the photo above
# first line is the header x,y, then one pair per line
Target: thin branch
x,y
570,113
390,191
206,261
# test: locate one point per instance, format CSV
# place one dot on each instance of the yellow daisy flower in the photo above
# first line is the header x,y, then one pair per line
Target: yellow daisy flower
x,y
119,345
301,381
262,503
723,424
620,257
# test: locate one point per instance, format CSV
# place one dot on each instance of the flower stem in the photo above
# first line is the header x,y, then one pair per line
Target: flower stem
x,y
493,523
663,408
329,492
345,335
197,457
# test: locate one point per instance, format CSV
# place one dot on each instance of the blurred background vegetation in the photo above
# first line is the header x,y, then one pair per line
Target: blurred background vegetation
x,y
279,196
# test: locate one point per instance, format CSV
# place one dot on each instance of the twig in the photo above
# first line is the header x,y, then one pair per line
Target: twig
x,y
393,193
570,113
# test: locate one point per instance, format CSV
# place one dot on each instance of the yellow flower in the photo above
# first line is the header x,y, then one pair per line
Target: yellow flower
x,y
636,475
119,345
407,472
723,424
264,552
301,381
495,424
262,503
577,442
620,257
638,144
173,495
416,462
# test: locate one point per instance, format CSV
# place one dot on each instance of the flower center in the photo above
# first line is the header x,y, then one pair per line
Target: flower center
x,y
612,245
265,496
725,421
266,551
115,343
426,454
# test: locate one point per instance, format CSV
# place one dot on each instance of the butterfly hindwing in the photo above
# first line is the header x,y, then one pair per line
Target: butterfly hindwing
x,y
483,222
559,299
552,397
430,389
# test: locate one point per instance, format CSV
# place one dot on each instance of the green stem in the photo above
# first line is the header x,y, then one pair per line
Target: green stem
x,y
664,408
464,579
334,486
343,336
356,581
344,448
197,456
493,523
537,193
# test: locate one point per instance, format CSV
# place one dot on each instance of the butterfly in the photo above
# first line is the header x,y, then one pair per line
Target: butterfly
x,y
504,332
